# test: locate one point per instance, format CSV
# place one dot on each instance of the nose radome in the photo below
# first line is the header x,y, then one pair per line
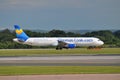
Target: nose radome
x,y
102,42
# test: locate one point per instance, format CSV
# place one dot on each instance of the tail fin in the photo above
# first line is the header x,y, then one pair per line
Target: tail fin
x,y
20,34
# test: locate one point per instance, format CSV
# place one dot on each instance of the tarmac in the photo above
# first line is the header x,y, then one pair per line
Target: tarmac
x,y
64,77
73,60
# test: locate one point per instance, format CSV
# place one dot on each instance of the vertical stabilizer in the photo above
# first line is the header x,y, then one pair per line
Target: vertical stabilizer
x,y
20,34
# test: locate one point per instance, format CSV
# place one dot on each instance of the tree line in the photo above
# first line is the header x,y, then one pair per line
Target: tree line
x,y
111,39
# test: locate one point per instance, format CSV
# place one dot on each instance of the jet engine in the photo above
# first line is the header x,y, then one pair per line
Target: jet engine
x,y
70,46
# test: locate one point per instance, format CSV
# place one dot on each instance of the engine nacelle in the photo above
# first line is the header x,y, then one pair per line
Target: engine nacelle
x,y
71,45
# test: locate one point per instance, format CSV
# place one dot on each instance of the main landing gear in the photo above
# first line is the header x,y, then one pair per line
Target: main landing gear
x,y
58,48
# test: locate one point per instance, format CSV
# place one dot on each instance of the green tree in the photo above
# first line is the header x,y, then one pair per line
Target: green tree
x,y
57,33
117,34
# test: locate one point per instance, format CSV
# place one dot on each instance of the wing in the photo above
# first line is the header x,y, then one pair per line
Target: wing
x,y
62,44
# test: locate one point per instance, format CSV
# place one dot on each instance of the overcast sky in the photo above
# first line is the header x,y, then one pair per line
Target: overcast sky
x,y
60,14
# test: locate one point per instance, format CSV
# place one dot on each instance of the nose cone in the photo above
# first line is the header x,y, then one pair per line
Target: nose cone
x,y
101,43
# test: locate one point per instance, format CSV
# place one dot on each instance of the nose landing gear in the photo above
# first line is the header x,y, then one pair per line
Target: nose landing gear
x,y
94,47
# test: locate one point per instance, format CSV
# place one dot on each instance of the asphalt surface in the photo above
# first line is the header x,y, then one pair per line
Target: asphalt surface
x,y
64,77
62,61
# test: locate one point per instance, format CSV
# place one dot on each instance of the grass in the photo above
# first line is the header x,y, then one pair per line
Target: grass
x,y
37,52
36,70
33,70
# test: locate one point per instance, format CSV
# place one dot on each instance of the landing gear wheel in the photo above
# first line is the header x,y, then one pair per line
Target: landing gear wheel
x,y
58,48
94,47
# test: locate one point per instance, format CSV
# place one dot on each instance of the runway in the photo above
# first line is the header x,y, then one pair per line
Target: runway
x,y
64,77
89,60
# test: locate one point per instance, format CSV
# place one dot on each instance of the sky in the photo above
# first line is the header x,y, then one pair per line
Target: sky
x,y
60,14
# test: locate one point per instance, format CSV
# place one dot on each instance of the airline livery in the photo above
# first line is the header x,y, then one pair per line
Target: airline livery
x,y
59,42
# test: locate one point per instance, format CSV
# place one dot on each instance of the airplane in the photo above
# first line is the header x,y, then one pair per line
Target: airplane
x,y
59,42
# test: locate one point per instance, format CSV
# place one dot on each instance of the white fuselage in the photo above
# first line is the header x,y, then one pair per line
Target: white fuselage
x,y
53,41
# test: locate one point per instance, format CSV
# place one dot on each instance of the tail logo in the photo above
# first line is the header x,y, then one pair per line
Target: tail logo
x,y
19,31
